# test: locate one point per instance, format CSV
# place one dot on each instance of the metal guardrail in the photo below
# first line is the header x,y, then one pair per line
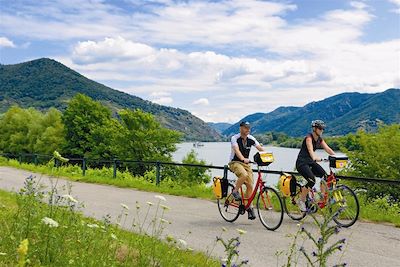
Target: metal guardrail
x,y
158,164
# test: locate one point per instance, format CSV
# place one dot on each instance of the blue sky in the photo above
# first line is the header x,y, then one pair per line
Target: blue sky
x,y
221,60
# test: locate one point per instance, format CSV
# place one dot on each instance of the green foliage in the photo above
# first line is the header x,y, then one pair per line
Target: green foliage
x,y
86,122
380,209
57,234
323,248
192,175
31,131
92,132
376,155
141,137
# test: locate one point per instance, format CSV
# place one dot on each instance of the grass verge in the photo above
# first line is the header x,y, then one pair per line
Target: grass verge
x,y
123,179
38,234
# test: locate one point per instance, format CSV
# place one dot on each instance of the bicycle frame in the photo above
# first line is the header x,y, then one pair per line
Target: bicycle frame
x,y
331,182
259,187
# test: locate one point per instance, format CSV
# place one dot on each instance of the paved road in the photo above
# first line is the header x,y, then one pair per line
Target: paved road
x,y
369,244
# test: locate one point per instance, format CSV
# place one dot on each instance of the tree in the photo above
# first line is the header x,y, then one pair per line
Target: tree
x,y
376,155
141,137
193,175
30,131
87,123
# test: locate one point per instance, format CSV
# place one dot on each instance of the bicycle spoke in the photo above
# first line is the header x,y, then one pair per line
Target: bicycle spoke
x,y
347,204
269,207
228,207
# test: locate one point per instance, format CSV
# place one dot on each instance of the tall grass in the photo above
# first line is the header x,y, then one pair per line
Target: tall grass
x,y
44,228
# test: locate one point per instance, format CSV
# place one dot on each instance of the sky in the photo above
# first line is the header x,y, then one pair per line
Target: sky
x,y
221,60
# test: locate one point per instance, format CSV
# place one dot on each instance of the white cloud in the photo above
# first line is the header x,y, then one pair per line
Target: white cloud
x,y
110,49
5,42
358,5
202,102
397,3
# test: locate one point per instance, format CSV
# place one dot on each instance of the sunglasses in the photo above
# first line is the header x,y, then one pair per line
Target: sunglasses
x,y
321,128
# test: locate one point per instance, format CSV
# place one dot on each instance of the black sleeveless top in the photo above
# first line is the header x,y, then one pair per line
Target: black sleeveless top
x,y
304,156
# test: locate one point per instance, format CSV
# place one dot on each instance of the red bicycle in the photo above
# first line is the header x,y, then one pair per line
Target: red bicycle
x,y
269,203
336,196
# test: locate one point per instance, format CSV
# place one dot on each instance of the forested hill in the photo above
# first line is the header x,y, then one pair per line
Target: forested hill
x,y
344,113
45,83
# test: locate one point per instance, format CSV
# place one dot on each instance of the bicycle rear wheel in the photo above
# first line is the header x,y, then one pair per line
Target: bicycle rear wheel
x,y
292,209
270,208
346,200
228,207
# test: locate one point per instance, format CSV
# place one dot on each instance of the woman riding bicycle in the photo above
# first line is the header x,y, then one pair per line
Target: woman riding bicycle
x,y
306,163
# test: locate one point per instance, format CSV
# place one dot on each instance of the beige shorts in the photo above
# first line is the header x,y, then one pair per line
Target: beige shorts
x,y
241,169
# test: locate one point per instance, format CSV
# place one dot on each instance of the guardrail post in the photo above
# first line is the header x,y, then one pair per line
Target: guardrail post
x,y
115,168
35,159
83,166
225,171
158,165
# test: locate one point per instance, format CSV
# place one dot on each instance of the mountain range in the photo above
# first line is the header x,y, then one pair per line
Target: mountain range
x,y
344,113
45,83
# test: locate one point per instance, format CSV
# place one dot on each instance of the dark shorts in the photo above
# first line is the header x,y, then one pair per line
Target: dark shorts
x,y
309,171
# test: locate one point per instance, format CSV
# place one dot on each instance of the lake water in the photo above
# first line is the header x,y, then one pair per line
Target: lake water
x,y
217,154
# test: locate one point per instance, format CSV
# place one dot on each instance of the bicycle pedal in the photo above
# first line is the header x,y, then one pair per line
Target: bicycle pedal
x,y
242,210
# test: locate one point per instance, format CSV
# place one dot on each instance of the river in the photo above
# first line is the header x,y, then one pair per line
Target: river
x,y
217,154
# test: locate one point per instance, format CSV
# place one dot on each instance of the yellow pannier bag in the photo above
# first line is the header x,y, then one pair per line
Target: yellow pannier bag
x,y
220,187
287,184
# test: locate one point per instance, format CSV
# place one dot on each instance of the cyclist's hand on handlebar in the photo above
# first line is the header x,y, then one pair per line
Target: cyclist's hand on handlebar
x,y
246,161
317,159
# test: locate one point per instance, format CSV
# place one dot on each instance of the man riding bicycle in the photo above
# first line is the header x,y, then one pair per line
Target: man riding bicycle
x,y
306,163
241,144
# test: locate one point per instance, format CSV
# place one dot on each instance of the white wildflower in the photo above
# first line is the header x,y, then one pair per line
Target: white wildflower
x,y
241,232
124,206
92,225
182,242
165,207
50,222
161,198
70,198
164,221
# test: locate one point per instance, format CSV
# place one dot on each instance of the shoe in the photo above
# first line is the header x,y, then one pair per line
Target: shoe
x,y
251,214
302,205
236,195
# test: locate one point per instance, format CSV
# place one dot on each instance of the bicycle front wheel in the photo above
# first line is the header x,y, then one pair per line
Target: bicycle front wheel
x,y
269,208
346,202
228,207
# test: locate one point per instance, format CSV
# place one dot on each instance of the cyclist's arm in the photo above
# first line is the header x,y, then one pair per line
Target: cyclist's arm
x,y
327,148
311,150
259,147
239,154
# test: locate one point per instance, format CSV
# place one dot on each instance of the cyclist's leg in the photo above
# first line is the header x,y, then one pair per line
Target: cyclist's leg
x,y
238,169
249,181
306,172
318,171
